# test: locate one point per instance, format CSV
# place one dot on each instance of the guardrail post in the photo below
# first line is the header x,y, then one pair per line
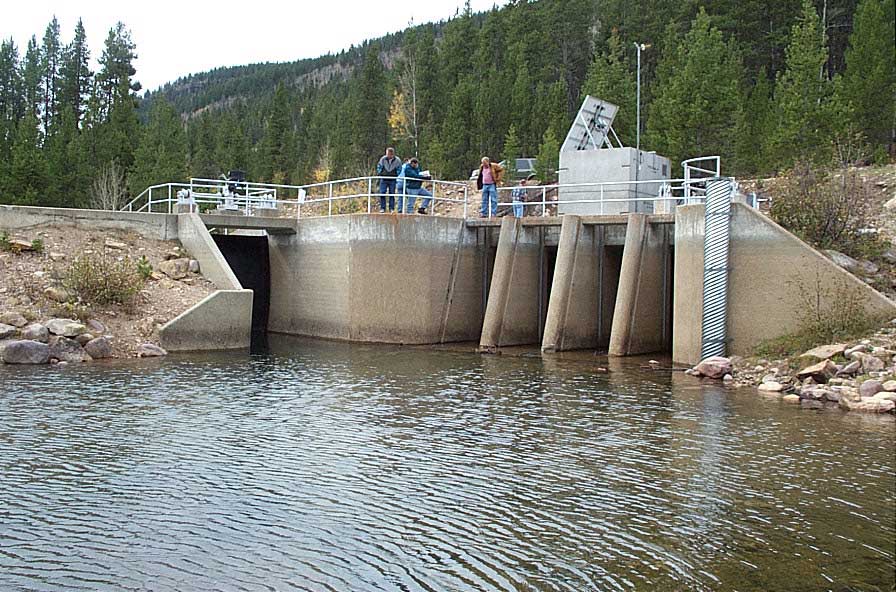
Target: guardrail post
x,y
169,198
329,198
466,195
369,189
544,201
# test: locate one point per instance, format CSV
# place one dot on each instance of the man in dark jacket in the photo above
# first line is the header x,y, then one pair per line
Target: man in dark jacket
x,y
388,168
413,186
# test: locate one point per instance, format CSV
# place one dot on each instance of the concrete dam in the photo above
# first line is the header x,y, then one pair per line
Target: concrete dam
x,y
626,284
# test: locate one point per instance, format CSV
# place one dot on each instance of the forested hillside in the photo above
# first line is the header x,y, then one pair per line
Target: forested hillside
x,y
761,83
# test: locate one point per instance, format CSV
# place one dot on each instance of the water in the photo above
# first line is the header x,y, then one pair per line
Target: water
x,y
327,466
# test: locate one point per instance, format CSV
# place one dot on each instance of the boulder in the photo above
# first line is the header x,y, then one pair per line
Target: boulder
x,y
890,386
194,266
714,367
116,245
869,388
176,269
57,256
872,364
825,352
820,372
66,327
19,245
867,267
99,348
7,331
853,350
95,327
844,261
868,405
771,387
67,350
57,294
36,332
26,352
14,319
851,369
885,396
791,398
83,338
150,350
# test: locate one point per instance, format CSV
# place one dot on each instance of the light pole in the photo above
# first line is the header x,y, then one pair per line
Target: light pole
x,y
640,47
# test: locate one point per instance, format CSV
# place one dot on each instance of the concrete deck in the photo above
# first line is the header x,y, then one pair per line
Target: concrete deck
x,y
267,223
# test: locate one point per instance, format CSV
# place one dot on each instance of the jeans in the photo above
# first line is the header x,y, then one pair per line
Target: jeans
x,y
518,208
411,199
387,186
489,191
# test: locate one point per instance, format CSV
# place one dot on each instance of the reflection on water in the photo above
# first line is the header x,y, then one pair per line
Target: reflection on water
x,y
324,466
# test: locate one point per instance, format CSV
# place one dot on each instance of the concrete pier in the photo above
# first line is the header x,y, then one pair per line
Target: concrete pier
x,y
642,300
512,311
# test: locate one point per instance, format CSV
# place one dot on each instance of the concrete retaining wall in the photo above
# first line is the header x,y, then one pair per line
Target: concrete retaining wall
x,y
511,314
158,226
198,242
774,275
388,279
222,320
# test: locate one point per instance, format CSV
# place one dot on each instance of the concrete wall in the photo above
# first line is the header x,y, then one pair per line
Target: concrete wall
x,y
158,226
389,279
512,314
195,238
610,164
640,314
773,275
222,320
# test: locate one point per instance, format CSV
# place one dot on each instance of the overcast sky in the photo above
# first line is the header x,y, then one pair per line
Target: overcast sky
x,y
178,38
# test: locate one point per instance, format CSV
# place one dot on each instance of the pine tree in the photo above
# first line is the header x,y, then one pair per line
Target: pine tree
x,y
162,153
610,77
753,128
117,67
370,102
11,105
548,157
31,78
699,104
868,87
76,77
51,54
802,96
28,179
458,143
512,151
277,139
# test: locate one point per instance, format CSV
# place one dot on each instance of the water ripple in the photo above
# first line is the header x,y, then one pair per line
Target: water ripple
x,y
326,466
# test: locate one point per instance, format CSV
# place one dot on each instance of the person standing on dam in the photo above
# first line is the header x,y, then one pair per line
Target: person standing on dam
x,y
519,195
413,186
388,167
489,178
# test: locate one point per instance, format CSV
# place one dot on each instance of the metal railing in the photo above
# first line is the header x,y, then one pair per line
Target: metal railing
x,y
669,192
281,200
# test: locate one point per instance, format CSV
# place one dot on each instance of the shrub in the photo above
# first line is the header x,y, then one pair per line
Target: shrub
x,y
37,245
144,267
4,241
101,279
828,210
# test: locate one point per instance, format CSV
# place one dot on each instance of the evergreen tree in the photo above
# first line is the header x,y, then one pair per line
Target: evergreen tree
x,y
868,87
51,53
117,68
370,113
28,179
458,143
277,139
11,104
549,157
699,104
76,77
521,106
611,78
31,78
119,135
512,151
753,128
162,153
802,94
62,170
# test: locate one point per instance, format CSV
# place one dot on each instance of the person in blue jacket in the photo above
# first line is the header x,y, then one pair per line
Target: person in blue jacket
x,y
413,186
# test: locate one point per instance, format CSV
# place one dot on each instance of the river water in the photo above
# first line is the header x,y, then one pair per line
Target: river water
x,y
326,466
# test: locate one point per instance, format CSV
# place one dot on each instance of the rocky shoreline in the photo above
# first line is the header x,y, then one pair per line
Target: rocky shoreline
x,y
858,375
58,341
